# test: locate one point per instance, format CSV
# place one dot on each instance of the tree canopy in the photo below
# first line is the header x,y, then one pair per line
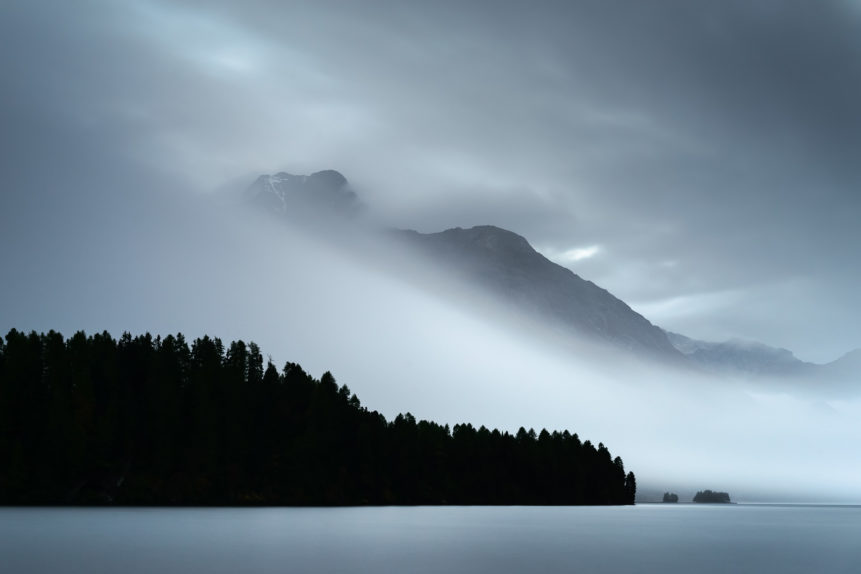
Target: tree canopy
x,y
157,421
711,496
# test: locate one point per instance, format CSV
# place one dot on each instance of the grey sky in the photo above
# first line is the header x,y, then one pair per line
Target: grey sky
x,y
697,159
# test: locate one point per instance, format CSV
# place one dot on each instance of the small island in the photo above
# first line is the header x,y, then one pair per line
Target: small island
x,y
709,496
671,497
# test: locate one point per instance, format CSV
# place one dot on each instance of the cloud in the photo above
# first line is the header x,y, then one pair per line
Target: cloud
x,y
176,262
723,138
571,255
691,307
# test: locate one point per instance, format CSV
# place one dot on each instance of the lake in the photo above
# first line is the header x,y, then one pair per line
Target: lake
x,y
642,538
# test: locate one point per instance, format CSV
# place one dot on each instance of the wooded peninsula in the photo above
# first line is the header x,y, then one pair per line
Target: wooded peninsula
x,y
155,421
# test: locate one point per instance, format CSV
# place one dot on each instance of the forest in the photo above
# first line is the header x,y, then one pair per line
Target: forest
x,y
711,497
147,420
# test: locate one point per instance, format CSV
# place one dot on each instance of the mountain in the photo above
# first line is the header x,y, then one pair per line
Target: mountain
x,y
846,369
739,356
506,265
751,358
323,193
498,260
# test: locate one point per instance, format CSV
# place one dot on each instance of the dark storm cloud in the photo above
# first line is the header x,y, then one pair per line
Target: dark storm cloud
x,y
698,157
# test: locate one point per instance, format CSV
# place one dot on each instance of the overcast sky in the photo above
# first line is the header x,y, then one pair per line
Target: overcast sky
x,y
701,160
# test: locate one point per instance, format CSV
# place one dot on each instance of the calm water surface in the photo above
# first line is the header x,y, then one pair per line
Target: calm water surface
x,y
643,538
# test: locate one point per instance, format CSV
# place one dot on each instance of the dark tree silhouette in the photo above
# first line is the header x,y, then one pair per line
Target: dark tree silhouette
x,y
143,420
711,496
630,488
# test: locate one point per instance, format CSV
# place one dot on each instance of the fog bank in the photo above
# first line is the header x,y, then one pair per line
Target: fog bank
x,y
390,332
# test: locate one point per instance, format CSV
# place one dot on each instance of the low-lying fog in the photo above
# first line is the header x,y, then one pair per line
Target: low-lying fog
x,y
190,265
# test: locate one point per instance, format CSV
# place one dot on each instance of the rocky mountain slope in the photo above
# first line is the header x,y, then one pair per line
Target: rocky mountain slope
x,y
499,261
505,265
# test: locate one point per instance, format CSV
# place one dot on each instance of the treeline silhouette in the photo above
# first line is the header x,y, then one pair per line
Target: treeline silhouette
x,y
152,421
711,496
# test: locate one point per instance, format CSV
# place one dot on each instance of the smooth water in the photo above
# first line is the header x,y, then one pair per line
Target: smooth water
x,y
643,538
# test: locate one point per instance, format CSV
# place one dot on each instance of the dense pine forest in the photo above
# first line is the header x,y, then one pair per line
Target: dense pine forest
x,y
152,421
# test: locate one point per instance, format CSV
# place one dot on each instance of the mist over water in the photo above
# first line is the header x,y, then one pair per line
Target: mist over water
x,y
404,338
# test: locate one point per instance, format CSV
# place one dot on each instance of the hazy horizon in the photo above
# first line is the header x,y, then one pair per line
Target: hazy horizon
x,y
371,315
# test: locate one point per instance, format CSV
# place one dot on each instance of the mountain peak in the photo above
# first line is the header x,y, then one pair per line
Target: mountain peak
x,y
325,192
489,238
328,179
506,264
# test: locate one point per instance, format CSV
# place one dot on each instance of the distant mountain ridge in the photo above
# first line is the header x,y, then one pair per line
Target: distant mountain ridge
x,y
737,356
505,264
499,260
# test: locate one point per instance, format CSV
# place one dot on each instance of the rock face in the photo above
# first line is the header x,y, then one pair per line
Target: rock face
x,y
505,264
325,193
